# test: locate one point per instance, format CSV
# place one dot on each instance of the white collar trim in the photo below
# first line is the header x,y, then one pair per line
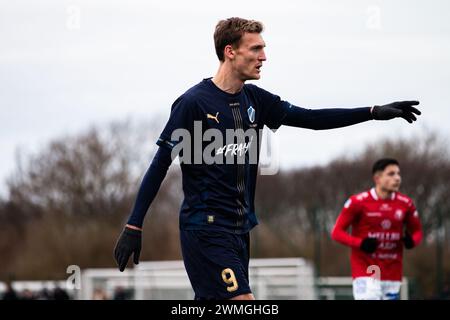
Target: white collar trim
x,y
374,195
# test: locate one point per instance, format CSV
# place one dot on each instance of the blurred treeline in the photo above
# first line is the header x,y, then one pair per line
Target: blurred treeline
x,y
67,204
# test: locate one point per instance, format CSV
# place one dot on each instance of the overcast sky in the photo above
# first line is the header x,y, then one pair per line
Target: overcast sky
x,y
66,65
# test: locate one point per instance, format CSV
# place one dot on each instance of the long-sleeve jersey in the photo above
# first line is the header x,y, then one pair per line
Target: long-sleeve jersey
x,y
384,220
219,192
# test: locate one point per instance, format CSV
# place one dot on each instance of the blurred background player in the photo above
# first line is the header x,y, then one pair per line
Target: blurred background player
x,y
378,218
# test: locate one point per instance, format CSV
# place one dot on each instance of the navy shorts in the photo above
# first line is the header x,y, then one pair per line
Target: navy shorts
x,y
216,263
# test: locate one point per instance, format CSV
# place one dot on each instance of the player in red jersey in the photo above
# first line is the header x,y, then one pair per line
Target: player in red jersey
x,y
378,218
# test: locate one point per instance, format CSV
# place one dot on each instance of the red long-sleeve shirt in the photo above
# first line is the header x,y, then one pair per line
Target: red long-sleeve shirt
x,y
383,219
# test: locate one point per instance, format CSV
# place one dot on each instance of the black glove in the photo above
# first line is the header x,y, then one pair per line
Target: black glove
x,y
369,245
408,241
129,242
393,110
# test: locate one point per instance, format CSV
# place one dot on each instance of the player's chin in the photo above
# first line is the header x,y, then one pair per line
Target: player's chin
x,y
254,76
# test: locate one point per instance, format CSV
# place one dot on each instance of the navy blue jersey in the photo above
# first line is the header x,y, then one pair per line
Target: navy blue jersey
x,y
219,171
220,196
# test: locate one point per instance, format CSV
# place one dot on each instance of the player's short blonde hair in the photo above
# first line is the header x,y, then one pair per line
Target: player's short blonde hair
x,y
230,32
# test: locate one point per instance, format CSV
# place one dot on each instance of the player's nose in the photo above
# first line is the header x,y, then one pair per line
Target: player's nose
x,y
262,57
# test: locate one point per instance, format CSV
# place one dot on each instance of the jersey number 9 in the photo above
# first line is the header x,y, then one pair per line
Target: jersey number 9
x,y
230,279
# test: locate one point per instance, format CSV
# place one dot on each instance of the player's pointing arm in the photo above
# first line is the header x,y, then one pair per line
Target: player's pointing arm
x,y
321,119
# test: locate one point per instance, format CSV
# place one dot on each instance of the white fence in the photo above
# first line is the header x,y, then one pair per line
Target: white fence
x,y
291,278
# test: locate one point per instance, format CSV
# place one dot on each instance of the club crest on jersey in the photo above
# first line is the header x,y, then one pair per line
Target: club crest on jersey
x,y
386,224
251,114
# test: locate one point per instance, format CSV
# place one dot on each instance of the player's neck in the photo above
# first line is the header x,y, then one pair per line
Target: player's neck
x,y
227,81
383,194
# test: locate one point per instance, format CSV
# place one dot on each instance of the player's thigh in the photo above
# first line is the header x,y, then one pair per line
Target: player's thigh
x,y
214,264
367,288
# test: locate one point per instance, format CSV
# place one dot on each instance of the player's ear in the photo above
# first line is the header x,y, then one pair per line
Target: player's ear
x,y
229,52
376,177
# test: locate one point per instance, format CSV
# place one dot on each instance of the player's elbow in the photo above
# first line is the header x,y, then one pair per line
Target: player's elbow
x,y
334,234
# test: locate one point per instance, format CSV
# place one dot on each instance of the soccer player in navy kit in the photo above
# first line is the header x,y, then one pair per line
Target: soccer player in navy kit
x,y
219,182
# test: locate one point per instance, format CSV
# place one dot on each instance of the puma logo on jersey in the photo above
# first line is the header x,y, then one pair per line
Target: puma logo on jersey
x,y
398,214
210,116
